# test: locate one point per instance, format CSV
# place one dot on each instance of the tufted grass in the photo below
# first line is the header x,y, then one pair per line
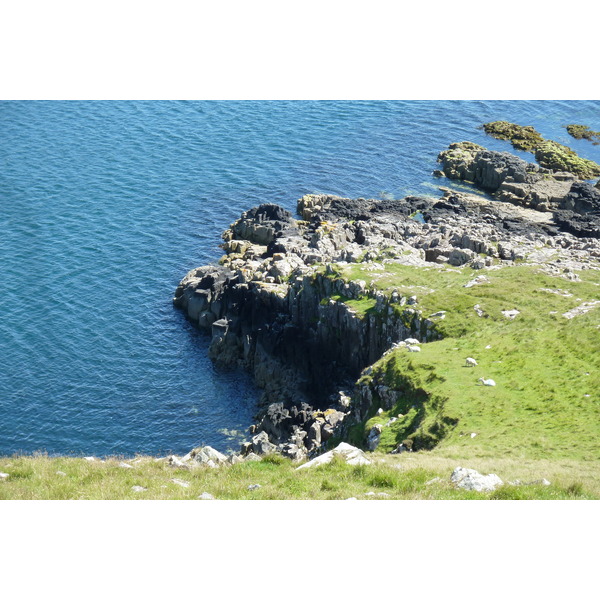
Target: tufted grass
x,y
417,476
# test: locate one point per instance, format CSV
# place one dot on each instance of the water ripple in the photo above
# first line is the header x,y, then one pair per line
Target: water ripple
x,y
105,205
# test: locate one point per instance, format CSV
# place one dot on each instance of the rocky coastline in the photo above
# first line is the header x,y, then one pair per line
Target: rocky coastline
x,y
278,306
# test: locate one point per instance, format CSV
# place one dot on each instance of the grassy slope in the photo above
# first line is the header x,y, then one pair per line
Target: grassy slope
x,y
535,423
544,365
399,477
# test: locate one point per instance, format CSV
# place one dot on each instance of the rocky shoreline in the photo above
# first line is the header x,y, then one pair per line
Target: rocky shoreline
x,y
277,305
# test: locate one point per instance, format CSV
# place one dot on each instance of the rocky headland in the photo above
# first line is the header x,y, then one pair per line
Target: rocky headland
x,y
281,304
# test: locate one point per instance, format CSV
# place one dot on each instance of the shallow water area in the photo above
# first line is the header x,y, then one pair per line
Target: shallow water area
x,y
106,205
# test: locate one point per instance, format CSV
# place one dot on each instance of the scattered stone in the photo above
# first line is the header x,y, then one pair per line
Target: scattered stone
x,y
61,473
374,437
473,435
124,465
181,482
139,488
252,458
480,279
352,456
470,479
176,462
411,342
581,309
206,496
517,482
89,458
4,476
479,311
413,348
431,481
511,314
254,486
206,456
382,494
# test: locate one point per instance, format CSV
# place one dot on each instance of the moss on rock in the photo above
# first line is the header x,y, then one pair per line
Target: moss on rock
x,y
557,157
522,138
549,154
583,132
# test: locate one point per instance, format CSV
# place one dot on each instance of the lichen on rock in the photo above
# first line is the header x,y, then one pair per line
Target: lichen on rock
x,y
549,154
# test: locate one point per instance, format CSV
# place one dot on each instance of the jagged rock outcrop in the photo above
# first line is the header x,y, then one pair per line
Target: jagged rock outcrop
x,y
514,180
279,305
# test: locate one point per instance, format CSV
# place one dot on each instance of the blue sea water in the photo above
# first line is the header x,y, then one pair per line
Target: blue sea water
x,y
104,206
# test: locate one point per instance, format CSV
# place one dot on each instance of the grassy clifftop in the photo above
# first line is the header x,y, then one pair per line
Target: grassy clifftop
x,y
545,362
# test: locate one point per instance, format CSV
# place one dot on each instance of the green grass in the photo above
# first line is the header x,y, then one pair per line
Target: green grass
x,y
546,367
541,420
390,477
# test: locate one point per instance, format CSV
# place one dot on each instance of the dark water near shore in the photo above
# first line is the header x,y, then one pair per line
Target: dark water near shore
x,y
104,206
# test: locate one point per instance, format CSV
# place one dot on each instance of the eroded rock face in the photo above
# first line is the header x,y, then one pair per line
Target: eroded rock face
x,y
277,306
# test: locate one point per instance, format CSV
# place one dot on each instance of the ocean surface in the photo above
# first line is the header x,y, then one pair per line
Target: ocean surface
x,y
104,207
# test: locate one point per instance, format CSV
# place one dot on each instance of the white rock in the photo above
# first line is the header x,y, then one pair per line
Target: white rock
x,y
352,455
252,457
124,465
480,312
414,349
90,458
473,435
174,461
4,475
581,310
511,314
205,455
487,381
470,479
254,486
477,281
411,341
139,488
61,473
181,482
206,496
